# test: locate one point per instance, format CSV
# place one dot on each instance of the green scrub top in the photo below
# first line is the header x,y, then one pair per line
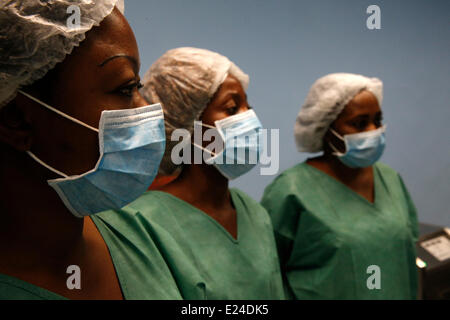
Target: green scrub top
x,y
12,288
141,271
328,236
205,260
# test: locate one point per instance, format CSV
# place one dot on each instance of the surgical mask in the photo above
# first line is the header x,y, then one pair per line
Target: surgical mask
x,y
362,149
241,136
132,143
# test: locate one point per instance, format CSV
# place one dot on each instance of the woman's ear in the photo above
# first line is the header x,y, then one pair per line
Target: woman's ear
x,y
15,131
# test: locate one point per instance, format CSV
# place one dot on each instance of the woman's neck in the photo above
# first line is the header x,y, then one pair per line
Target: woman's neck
x,y
334,167
360,180
205,188
34,219
200,184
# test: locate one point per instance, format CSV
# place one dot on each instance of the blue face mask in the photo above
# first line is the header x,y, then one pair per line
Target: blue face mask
x,y
362,149
241,135
132,144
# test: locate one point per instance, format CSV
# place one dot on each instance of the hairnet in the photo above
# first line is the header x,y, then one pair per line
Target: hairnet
x,y
325,101
184,80
35,36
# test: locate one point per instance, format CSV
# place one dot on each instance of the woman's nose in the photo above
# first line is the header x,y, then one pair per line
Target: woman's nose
x,y
371,127
139,100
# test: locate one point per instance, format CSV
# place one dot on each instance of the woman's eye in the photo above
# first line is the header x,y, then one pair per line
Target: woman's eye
x,y
360,125
232,110
128,90
378,122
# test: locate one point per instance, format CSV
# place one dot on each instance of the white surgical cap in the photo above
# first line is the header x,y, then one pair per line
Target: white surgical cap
x,y
36,35
184,80
325,101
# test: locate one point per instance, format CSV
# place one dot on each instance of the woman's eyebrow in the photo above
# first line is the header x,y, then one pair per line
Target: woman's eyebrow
x,y
229,95
132,59
359,116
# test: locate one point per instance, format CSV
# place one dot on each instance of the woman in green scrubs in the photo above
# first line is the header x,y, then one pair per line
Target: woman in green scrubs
x,y
345,224
45,251
218,242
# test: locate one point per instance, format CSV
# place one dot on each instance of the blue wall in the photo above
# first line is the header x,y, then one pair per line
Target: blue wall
x,y
284,45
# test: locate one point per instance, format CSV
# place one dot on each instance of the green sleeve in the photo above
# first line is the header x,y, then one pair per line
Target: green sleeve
x,y
411,210
12,288
415,233
284,209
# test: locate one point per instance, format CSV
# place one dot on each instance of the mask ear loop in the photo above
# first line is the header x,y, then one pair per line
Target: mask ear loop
x,y
193,143
337,134
31,154
58,112
208,126
336,151
213,154
220,131
204,149
42,163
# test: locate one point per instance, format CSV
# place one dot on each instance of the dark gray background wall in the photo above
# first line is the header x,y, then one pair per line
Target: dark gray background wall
x,y
285,45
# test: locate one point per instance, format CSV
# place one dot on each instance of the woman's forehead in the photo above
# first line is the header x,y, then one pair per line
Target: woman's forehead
x,y
231,85
364,102
114,36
